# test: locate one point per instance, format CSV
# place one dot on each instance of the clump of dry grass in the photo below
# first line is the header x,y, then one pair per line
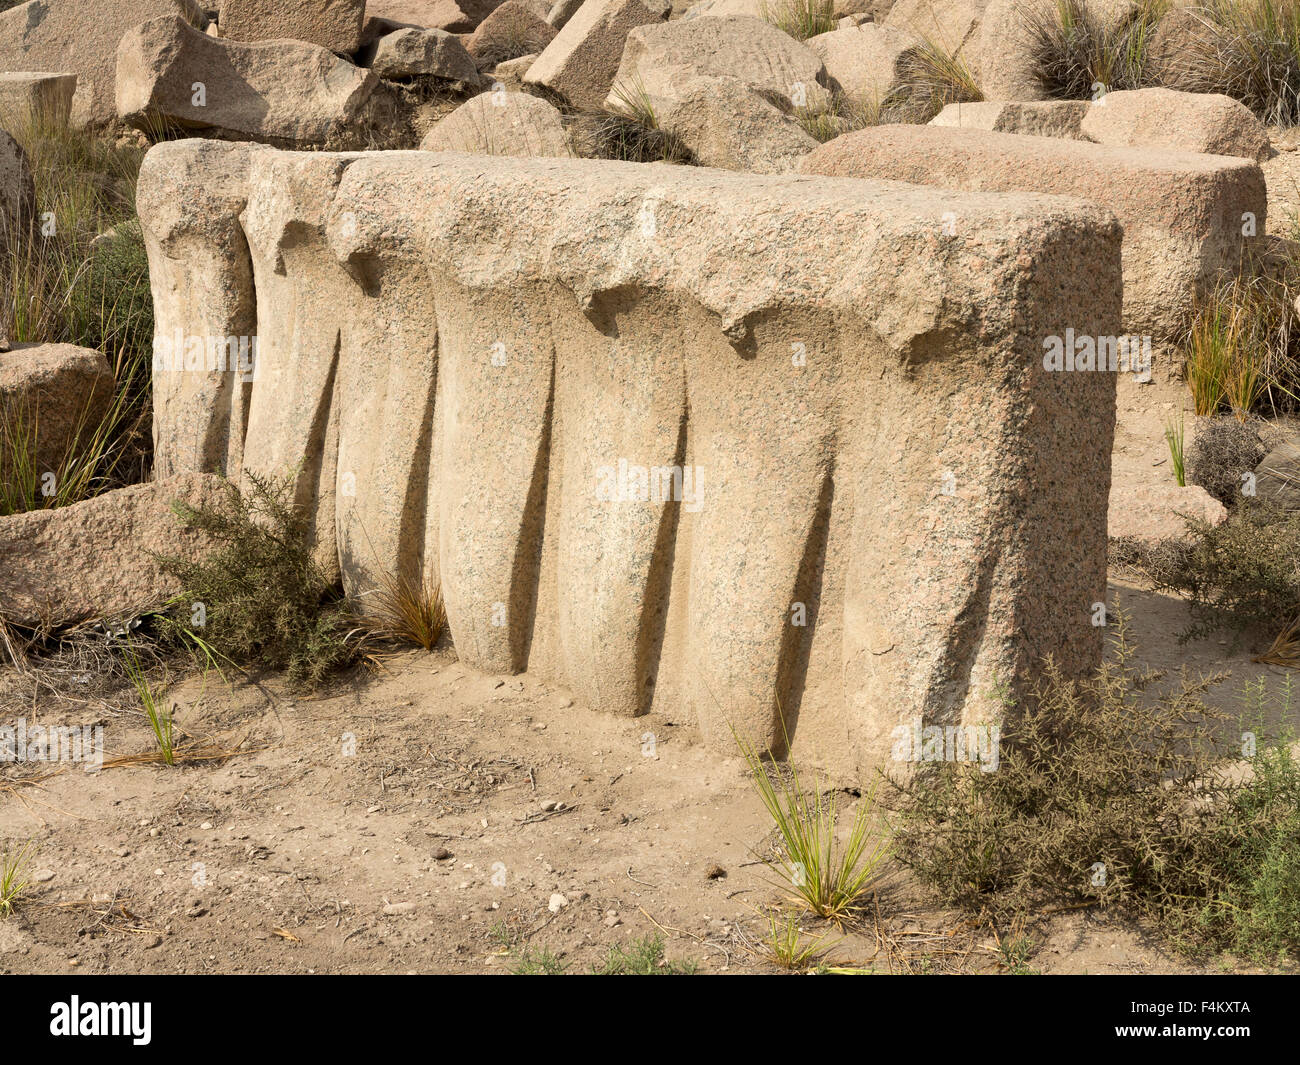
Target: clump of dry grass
x,y
515,33
1249,50
1080,50
408,610
844,114
800,19
933,77
630,130
1242,349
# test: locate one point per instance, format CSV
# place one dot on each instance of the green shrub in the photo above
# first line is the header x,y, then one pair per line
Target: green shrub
x,y
1113,793
1242,575
266,600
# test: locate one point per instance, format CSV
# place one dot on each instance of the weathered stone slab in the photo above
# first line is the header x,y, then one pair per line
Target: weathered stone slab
x,y
332,24
580,63
36,99
192,193
78,37
278,92
54,396
1186,216
769,452
95,560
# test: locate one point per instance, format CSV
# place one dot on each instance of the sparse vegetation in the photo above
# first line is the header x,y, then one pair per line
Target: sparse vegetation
x,y
1242,575
642,957
629,131
844,114
932,78
1249,50
800,19
1115,793
13,876
514,34
81,277
537,961
1223,452
266,600
828,878
1080,51
1242,346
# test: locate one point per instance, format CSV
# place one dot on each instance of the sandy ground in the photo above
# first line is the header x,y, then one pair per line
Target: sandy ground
x,y
410,821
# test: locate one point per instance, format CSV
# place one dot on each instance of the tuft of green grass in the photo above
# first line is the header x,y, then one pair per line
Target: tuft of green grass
x,y
534,961
828,878
13,876
785,944
1015,951
800,19
642,957
1174,438
160,716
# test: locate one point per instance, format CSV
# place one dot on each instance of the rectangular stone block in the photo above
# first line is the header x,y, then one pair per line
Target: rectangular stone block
x,y
778,454
1186,217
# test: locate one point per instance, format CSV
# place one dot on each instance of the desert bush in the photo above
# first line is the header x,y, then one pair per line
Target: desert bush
x,y
1249,50
266,600
800,19
1242,575
1113,792
1080,49
1243,345
1223,451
